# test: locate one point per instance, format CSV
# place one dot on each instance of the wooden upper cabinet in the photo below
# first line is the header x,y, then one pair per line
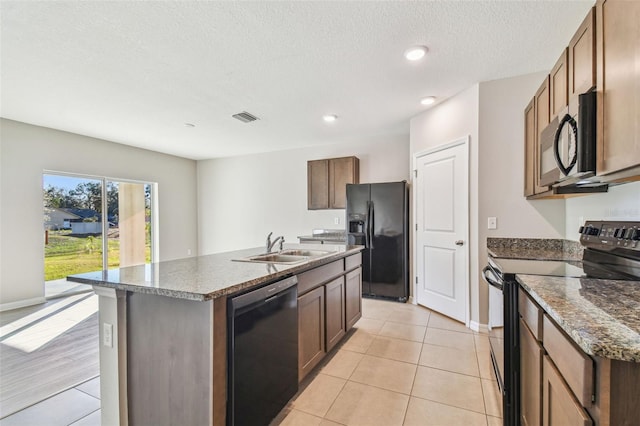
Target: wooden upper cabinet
x,y
558,98
582,60
618,83
327,182
542,114
529,149
318,184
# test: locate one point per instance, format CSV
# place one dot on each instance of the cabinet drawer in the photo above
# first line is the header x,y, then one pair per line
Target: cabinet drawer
x,y
352,262
574,365
531,314
315,277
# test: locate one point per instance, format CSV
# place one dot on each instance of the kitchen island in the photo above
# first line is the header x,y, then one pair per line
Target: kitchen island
x,y
163,327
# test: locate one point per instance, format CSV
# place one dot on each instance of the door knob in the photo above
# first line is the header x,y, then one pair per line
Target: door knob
x,y
459,242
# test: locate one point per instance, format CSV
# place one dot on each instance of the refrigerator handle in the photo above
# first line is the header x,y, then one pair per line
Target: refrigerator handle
x,y
366,226
371,224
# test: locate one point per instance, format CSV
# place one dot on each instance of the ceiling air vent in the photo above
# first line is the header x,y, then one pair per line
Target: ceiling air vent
x,y
245,117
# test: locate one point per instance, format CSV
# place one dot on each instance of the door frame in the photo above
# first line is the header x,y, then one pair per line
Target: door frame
x,y
414,224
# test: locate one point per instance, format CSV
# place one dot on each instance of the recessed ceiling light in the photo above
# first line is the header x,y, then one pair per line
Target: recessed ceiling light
x,y
416,52
330,118
428,100
189,125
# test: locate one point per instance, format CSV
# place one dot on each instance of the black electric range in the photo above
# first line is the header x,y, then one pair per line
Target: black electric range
x,y
611,251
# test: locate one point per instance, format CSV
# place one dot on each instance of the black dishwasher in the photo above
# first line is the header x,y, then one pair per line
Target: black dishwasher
x,y
262,352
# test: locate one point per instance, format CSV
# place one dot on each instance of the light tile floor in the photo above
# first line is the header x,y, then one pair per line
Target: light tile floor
x,y
402,365
79,406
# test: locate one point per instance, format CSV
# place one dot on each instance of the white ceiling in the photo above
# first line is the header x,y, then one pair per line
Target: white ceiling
x,y
135,72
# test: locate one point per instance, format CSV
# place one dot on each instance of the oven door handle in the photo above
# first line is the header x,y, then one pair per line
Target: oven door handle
x,y
491,278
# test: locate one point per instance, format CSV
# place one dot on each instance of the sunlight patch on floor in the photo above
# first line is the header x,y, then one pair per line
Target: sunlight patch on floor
x,y
41,332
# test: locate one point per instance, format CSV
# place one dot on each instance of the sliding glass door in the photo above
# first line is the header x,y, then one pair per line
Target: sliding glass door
x,y
91,224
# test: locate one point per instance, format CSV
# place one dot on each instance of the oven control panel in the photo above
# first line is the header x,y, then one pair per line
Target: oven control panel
x,y
606,235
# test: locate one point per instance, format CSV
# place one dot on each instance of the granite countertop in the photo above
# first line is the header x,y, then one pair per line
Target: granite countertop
x,y
601,316
326,235
534,249
207,277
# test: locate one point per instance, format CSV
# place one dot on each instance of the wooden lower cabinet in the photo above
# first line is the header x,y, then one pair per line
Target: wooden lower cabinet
x,y
335,311
531,354
329,304
559,405
353,297
311,330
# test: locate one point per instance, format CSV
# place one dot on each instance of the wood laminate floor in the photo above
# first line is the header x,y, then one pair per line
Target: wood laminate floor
x,y
46,349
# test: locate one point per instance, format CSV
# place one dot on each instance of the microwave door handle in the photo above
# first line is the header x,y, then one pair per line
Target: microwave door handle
x,y
567,119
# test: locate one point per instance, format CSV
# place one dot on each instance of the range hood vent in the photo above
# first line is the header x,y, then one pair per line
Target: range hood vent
x,y
245,117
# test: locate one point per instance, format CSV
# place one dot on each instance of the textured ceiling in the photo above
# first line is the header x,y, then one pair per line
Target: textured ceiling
x,y
135,72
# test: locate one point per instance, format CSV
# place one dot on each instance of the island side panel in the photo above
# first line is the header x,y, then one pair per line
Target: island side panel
x,y
220,361
170,360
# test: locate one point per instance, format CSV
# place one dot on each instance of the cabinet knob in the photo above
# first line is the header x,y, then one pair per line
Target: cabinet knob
x,y
459,242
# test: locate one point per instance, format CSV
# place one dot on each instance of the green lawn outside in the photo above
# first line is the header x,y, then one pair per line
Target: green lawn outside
x,y
67,255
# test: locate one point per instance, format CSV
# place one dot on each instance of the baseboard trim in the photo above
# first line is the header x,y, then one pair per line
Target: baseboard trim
x,y
21,303
480,328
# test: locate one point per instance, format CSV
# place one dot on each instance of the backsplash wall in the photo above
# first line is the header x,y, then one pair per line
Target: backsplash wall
x,y
622,202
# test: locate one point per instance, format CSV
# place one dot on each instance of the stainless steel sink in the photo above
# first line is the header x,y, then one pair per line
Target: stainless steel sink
x,y
274,258
306,253
286,257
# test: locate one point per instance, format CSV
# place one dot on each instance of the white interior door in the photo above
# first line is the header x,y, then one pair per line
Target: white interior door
x,y
442,223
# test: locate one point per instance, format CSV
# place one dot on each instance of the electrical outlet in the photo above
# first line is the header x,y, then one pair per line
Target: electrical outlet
x,y
107,335
188,252
336,220
492,223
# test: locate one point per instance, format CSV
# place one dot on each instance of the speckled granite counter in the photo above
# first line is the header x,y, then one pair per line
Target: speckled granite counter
x,y
534,248
206,277
601,316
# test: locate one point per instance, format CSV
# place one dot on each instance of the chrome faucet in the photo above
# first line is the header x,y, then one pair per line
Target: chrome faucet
x,y
270,243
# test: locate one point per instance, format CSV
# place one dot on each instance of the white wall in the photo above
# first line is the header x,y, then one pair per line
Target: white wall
x,y
242,199
622,202
27,151
501,172
492,114
455,118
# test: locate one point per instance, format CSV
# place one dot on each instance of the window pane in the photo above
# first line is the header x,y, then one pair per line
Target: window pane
x,y
73,229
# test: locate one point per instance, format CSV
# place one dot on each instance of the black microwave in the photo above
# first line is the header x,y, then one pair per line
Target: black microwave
x,y
567,146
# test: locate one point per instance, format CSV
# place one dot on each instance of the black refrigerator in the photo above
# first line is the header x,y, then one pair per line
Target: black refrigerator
x,y
378,218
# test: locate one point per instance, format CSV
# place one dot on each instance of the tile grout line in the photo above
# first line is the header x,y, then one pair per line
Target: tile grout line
x,y
83,417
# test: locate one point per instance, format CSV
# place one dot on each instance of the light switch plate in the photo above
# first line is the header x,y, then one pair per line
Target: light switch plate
x,y
492,223
336,220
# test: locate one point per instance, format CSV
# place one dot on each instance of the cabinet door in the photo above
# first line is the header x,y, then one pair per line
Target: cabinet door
x,y
311,331
353,291
341,172
335,311
318,184
618,51
530,377
582,60
529,149
559,406
542,120
559,90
